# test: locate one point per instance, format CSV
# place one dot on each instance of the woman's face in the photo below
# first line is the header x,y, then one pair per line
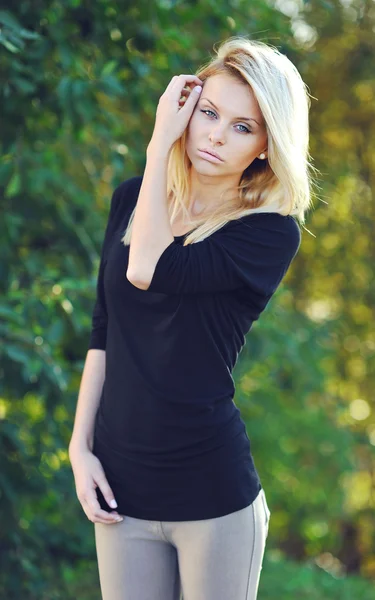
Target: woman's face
x,y
216,126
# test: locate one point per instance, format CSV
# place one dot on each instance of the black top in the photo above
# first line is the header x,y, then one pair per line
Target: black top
x,y
168,433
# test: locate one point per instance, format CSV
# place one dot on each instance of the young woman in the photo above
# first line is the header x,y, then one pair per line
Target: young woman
x,y
193,251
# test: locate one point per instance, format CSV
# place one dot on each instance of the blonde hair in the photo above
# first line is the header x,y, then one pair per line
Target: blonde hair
x,y
282,183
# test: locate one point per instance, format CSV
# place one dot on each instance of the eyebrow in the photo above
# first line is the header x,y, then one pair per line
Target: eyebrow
x,y
239,118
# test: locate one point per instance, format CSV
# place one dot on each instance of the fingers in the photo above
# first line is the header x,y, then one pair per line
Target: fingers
x,y
172,104
187,104
103,484
89,499
188,78
89,474
186,91
179,82
93,511
185,94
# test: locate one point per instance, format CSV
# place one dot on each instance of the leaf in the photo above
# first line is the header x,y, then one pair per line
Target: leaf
x,y
8,45
109,67
13,186
110,85
6,169
10,315
6,18
24,85
17,354
30,35
64,89
78,88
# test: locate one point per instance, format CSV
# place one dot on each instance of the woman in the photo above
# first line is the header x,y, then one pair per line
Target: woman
x,y
193,251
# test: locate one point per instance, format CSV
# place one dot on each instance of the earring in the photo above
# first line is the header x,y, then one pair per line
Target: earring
x,y
262,156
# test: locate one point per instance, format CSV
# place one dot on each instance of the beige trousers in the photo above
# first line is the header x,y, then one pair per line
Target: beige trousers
x,y
211,559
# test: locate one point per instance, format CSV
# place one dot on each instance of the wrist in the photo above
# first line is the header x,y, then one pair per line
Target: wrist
x,y
158,148
80,445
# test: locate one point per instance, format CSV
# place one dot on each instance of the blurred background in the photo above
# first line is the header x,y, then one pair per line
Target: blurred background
x,y
80,82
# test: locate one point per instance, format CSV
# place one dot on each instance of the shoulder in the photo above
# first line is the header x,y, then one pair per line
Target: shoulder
x,y
270,232
273,223
124,196
129,188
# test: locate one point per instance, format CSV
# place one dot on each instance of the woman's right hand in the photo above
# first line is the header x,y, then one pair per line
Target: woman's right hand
x,y
88,475
174,111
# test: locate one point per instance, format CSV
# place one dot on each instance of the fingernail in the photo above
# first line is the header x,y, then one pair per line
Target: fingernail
x,y
119,518
198,88
113,503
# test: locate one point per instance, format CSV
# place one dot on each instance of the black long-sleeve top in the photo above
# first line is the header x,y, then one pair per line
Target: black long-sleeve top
x,y
168,433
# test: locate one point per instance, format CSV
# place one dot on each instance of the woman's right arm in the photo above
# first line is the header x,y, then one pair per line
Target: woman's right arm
x,y
87,469
88,401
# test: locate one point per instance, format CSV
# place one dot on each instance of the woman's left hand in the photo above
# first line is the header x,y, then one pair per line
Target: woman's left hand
x,y
173,113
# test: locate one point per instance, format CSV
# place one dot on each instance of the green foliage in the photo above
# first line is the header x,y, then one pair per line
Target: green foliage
x,y
283,579
80,85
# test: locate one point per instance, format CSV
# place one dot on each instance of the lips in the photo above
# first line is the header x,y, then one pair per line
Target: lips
x,y
211,153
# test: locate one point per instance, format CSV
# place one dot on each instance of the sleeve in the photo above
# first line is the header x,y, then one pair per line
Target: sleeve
x,y
98,336
254,253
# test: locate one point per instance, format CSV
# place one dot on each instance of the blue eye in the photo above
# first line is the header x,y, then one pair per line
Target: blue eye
x,y
212,112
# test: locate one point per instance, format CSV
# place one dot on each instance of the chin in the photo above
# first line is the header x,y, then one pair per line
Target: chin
x,y
203,167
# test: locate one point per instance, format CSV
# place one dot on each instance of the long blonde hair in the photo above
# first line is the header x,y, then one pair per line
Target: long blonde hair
x,y
283,183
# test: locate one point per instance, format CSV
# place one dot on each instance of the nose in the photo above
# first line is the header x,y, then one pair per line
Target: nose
x,y
216,136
